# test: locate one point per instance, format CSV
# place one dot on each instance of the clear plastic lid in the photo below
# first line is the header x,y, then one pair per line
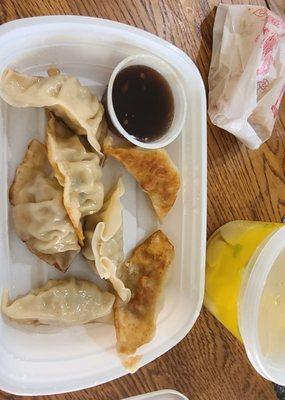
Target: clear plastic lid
x,y
261,309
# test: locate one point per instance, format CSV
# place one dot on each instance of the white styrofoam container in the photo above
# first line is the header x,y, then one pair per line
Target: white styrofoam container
x,y
167,394
46,360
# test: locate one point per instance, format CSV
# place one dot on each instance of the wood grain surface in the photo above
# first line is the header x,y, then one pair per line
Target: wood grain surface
x,y
209,364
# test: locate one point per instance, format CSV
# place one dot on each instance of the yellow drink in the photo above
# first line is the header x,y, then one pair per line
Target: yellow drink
x,y
229,250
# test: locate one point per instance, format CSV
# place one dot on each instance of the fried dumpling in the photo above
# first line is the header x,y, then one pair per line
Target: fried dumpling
x,y
144,274
39,216
154,171
63,95
104,241
77,170
60,302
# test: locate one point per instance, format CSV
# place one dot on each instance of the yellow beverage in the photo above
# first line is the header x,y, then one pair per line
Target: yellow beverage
x,y
272,313
229,251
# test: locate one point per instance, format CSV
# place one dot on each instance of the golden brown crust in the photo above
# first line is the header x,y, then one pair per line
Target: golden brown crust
x,y
60,261
144,274
155,172
77,225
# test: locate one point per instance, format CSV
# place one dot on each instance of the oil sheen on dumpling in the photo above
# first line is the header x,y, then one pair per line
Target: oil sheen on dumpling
x,y
64,95
40,219
104,241
153,170
60,302
145,275
77,170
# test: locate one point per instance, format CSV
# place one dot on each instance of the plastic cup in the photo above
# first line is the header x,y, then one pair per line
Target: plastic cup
x,y
245,268
251,315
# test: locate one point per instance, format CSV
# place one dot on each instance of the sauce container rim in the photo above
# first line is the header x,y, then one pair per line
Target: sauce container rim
x,y
180,102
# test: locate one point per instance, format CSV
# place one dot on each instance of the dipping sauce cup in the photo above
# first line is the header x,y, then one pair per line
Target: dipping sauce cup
x,y
177,95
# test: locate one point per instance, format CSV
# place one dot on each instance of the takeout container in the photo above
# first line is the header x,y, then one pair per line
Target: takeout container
x,y
242,292
45,360
180,103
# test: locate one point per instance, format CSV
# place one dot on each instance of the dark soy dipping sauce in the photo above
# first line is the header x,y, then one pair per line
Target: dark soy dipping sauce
x,y
143,102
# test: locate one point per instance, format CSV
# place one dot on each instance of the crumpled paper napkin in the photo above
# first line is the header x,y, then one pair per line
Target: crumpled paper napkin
x,y
247,72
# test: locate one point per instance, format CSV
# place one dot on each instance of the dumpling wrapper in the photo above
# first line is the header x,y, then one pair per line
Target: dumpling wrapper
x,y
104,241
40,219
63,95
153,170
60,302
77,170
144,274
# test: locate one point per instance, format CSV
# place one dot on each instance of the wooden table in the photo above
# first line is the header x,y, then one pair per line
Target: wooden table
x,y
209,363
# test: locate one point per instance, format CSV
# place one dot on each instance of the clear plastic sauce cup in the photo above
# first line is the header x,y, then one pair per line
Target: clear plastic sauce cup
x,y
245,290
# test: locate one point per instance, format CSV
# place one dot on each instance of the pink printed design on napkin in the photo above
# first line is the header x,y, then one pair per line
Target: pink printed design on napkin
x,y
260,12
275,107
262,85
276,21
267,57
264,13
269,37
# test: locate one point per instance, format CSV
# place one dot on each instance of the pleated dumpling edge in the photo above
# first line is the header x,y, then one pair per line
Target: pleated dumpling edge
x,y
64,95
78,171
106,241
